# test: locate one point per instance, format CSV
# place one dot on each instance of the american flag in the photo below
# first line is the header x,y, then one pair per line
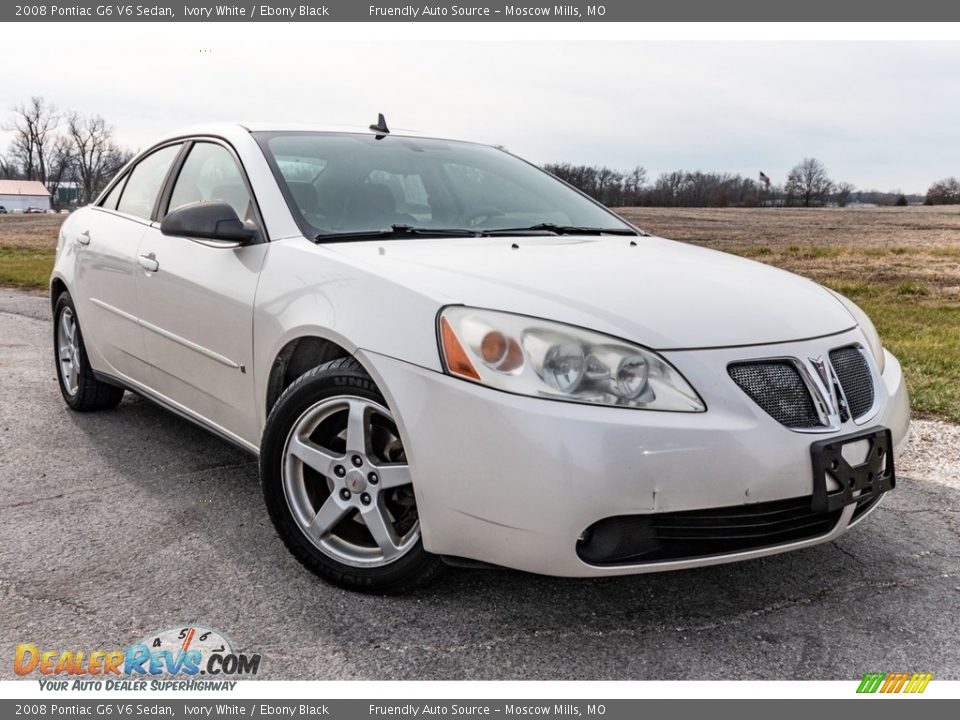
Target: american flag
x,y
764,179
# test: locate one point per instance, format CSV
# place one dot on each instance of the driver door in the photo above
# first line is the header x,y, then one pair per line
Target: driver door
x,y
196,304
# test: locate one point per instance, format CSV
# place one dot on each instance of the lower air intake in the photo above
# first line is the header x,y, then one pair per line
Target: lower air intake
x,y
661,537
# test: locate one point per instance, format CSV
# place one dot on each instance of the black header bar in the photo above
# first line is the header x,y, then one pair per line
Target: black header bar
x,y
480,11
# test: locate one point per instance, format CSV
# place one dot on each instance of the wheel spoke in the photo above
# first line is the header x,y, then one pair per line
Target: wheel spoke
x,y
313,456
66,353
357,428
68,377
330,513
392,476
65,326
381,530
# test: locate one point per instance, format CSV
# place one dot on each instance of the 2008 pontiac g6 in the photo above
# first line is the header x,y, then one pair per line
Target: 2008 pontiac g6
x,y
441,353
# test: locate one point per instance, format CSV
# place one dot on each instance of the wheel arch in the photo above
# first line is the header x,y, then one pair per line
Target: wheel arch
x,y
58,286
296,357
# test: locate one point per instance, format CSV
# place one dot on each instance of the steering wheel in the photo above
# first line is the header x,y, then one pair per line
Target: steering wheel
x,y
484,212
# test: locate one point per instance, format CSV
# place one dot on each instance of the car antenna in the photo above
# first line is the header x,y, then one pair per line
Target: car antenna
x,y
381,127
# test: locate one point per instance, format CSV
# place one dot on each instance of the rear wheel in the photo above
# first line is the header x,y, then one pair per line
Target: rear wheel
x,y
337,484
79,386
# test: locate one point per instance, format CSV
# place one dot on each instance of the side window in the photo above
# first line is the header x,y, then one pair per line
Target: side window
x,y
144,182
110,202
211,173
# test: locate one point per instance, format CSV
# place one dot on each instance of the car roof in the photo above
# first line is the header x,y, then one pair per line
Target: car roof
x,y
230,130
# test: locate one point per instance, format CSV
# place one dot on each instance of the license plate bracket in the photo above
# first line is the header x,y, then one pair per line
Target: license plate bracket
x,y
874,476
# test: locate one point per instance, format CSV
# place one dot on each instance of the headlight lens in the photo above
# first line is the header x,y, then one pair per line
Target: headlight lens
x,y
527,356
873,337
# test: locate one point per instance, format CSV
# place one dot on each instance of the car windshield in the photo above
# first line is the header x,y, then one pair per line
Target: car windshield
x,y
345,185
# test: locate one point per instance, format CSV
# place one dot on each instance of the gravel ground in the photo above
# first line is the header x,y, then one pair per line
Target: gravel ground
x,y
933,453
116,524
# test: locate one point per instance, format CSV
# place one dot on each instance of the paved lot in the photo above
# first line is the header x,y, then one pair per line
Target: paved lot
x,y
119,523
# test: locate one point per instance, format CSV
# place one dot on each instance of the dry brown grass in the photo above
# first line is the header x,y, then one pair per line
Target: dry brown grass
x,y
859,227
30,231
913,251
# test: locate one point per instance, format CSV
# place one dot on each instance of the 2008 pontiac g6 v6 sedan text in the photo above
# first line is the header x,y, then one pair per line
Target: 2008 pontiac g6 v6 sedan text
x,y
441,353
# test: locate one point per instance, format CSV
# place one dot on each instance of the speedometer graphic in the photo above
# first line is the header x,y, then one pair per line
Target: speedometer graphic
x,y
181,640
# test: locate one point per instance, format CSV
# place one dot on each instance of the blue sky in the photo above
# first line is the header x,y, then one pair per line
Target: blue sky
x,y
879,114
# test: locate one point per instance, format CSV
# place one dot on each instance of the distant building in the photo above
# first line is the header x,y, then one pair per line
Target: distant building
x,y
66,194
23,194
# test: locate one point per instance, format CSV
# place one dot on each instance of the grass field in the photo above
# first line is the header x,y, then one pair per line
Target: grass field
x,y
902,265
27,244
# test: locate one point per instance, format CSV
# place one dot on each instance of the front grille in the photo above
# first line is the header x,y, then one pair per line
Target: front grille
x,y
660,537
777,387
853,372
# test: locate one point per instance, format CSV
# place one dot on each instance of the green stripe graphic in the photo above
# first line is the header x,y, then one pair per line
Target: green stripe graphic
x,y
871,682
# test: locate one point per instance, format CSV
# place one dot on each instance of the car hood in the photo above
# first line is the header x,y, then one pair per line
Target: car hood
x,y
663,294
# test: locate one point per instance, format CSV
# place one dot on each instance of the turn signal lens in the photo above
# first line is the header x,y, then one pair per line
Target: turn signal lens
x,y
453,354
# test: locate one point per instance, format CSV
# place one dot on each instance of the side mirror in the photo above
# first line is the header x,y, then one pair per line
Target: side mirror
x,y
209,220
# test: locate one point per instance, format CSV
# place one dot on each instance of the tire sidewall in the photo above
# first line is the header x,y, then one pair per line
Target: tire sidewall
x,y
64,301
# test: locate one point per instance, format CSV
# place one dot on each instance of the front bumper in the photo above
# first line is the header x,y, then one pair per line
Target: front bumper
x,y
515,481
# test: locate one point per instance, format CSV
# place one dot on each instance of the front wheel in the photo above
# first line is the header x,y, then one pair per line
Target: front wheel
x,y
337,485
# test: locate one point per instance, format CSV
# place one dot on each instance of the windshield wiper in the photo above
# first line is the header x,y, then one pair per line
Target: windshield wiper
x,y
396,231
559,230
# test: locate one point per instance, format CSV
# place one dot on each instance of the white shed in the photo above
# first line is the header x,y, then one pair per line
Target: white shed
x,y
23,194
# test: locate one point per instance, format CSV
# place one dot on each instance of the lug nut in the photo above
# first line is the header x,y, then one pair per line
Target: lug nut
x,y
373,478
365,499
339,471
345,494
357,461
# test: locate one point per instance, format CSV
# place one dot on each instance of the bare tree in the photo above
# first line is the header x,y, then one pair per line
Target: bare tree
x,y
842,193
60,163
8,167
34,128
808,183
944,192
94,153
633,185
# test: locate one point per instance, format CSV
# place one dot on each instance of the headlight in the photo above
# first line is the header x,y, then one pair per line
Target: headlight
x,y
873,337
540,358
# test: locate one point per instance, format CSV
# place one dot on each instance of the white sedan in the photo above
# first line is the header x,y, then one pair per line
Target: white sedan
x,y
442,354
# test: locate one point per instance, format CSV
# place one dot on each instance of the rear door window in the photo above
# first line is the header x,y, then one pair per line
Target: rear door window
x,y
110,202
144,182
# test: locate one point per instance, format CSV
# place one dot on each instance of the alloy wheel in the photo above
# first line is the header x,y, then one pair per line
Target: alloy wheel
x,y
68,351
347,482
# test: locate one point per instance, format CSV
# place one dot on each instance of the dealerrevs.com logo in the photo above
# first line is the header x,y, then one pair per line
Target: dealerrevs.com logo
x,y
181,658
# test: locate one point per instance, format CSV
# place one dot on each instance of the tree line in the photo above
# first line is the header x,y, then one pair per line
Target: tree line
x,y
808,184
57,147
944,192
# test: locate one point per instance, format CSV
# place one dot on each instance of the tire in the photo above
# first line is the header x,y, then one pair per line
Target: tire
x,y
337,486
79,386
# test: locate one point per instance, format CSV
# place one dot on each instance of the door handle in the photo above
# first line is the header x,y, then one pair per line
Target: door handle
x,y
148,262
84,237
